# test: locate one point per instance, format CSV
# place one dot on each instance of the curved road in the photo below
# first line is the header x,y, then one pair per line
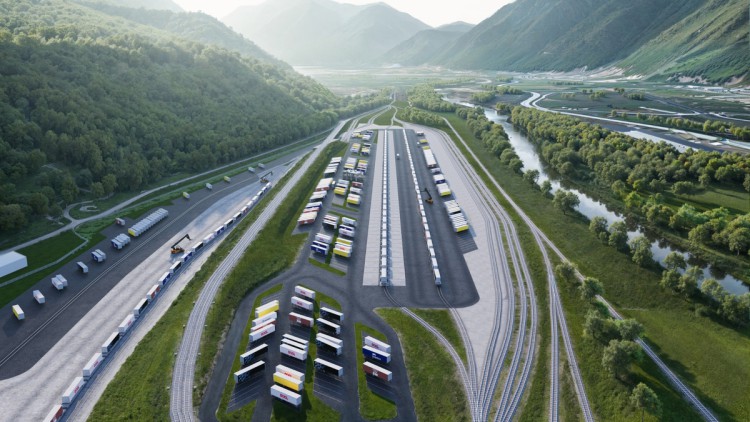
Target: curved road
x,y
181,405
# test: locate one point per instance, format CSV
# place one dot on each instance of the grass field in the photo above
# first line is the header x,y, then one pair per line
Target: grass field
x,y
274,250
140,390
443,322
386,118
435,386
371,406
634,290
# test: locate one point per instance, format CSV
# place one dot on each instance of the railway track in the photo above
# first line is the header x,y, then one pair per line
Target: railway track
x,y
555,305
525,344
181,403
121,258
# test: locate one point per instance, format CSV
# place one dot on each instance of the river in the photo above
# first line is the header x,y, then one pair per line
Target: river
x,y
591,208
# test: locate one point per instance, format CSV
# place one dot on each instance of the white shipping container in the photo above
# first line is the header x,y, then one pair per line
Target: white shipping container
x,y
293,352
92,365
55,414
72,392
305,292
297,339
377,344
259,322
126,324
83,267
62,279
302,303
262,332
286,395
290,372
38,296
57,283
331,339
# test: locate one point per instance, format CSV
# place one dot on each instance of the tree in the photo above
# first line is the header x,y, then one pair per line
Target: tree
x,y
739,240
641,248
629,329
12,217
565,271
618,356
644,399
683,188
565,201
598,226
714,291
688,284
746,183
618,236
597,326
675,260
670,279
590,288
531,176
546,187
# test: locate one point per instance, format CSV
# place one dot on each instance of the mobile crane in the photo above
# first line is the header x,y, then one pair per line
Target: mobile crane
x,y
429,197
176,248
264,178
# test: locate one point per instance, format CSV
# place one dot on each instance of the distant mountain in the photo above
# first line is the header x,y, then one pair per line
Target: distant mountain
x,y
145,4
197,27
425,45
324,32
457,26
709,37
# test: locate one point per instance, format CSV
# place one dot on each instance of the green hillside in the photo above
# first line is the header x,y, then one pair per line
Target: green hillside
x,y
92,104
197,27
701,38
711,43
425,45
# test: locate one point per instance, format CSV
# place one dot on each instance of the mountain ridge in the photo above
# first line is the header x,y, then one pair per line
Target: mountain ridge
x,y
324,32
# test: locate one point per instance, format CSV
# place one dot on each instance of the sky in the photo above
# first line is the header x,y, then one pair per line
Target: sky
x,y
431,12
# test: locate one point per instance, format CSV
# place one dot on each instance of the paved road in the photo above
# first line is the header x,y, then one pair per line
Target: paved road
x,y
111,211
181,407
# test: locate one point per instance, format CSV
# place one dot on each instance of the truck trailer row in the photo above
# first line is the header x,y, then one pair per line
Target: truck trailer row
x,y
109,345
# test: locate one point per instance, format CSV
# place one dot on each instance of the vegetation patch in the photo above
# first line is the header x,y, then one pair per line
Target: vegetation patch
x,y
273,250
371,406
140,390
442,320
629,287
436,388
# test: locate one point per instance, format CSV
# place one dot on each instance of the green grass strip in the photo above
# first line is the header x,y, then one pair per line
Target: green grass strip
x,y
371,406
441,320
626,284
437,391
140,390
274,250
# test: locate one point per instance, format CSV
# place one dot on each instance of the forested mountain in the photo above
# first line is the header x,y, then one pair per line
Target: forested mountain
x,y
197,27
324,32
92,104
706,38
145,4
425,45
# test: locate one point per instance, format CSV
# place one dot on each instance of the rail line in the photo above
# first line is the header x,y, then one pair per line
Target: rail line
x,y
527,326
121,259
554,303
181,402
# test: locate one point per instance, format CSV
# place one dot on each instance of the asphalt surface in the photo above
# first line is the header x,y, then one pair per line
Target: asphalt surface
x,y
357,301
23,343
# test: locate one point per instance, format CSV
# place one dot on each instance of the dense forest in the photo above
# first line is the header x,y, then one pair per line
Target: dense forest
x,y
641,173
92,104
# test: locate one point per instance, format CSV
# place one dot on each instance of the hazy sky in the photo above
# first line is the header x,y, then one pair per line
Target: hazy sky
x,y
431,12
